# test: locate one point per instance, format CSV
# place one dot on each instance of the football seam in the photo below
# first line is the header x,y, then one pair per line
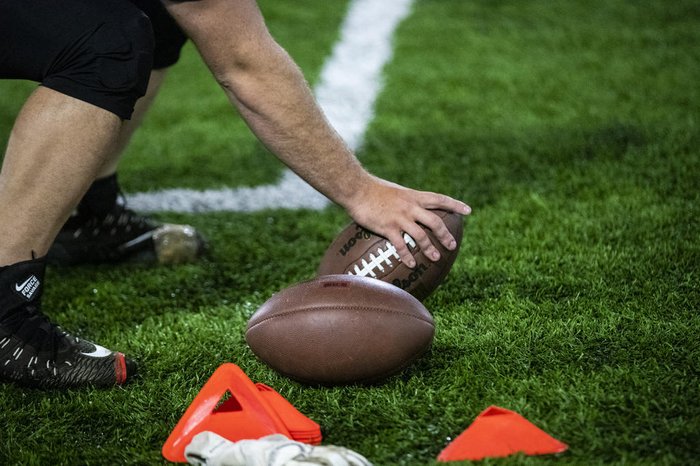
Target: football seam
x,y
363,308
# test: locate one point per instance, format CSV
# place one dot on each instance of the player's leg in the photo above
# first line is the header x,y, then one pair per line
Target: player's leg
x,y
103,228
130,126
93,61
42,174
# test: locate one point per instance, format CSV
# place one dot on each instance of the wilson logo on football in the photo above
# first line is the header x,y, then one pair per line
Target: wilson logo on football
x,y
360,234
405,283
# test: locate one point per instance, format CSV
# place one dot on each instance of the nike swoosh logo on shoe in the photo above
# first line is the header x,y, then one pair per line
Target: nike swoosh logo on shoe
x,y
21,287
100,352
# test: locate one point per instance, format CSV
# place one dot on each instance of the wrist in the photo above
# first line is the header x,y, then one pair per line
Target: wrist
x,y
354,187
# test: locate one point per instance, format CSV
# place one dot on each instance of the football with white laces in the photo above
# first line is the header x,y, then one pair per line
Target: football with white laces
x,y
358,251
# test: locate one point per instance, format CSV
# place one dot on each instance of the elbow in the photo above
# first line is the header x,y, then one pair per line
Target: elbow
x,y
245,61
229,73
226,80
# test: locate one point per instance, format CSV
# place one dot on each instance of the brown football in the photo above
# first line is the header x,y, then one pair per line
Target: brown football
x,y
340,329
357,251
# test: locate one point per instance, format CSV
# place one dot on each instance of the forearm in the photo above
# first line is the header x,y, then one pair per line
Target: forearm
x,y
271,94
278,106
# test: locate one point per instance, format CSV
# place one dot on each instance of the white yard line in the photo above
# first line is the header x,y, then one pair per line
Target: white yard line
x,y
349,84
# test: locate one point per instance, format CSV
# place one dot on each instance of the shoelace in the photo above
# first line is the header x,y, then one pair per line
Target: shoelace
x,y
120,219
36,330
123,219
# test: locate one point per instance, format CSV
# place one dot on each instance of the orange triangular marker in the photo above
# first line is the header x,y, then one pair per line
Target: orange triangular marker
x,y
300,427
230,405
498,432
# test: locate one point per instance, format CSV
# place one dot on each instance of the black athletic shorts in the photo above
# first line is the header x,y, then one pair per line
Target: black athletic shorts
x,y
168,35
59,43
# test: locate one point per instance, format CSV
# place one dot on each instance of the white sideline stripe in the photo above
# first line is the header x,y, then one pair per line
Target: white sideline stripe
x,y
349,84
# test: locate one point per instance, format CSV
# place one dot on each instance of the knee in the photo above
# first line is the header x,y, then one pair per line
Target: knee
x,y
110,65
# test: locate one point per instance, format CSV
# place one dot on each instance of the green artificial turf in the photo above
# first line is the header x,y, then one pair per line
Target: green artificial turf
x,y
570,127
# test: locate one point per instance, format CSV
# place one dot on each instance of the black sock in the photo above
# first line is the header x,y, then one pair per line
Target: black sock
x,y
100,198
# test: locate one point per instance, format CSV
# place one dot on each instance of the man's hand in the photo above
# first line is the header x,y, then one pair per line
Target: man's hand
x,y
391,210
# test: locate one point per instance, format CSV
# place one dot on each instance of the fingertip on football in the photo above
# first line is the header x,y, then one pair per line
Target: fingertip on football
x,y
433,256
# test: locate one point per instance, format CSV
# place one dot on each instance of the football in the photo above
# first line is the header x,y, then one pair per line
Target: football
x,y
340,329
357,251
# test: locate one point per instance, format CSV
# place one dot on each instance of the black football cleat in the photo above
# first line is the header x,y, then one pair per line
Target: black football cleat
x,y
36,353
121,234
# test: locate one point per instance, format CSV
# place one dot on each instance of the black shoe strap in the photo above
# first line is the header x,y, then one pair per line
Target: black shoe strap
x,y
21,284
